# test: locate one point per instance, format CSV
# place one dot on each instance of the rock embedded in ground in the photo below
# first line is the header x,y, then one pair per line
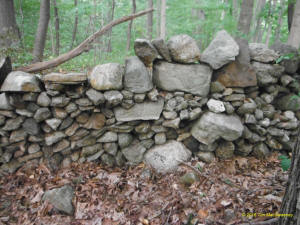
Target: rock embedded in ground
x,y
166,158
136,78
194,79
107,77
222,50
144,49
183,49
61,198
211,126
261,53
19,81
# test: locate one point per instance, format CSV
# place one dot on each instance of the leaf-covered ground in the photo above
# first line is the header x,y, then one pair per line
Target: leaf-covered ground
x,y
225,193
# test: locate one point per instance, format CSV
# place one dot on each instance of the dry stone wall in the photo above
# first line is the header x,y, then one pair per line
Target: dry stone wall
x,y
166,104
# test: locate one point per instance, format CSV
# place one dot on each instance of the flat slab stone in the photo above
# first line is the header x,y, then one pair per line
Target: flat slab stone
x,y
69,78
19,81
194,78
141,111
166,158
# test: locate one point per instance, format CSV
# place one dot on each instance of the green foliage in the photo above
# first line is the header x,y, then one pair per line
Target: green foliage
x,y
285,162
286,56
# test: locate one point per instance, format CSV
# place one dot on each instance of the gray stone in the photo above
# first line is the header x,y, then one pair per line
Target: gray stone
x,y
19,81
142,111
2,120
259,114
95,156
250,119
267,74
158,128
288,102
184,115
95,96
71,107
144,49
127,104
60,101
69,78
143,128
146,135
24,112
108,137
83,102
11,167
194,79
166,158
222,50
17,136
43,100
265,122
212,126
286,80
91,150
216,87
61,145
261,53
107,77
276,132
54,137
195,113
137,78
183,49
108,160
124,140
128,95
61,198
134,153
235,97
162,48
153,95
139,98
189,178
215,106
13,124
113,97
261,151
33,148
4,103
172,123
42,114
53,123
111,148
160,138
289,115
148,143
86,141
207,157
208,148
120,159
225,150
31,126
249,106
66,123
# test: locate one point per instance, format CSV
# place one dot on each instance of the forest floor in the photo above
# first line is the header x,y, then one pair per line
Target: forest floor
x,y
227,192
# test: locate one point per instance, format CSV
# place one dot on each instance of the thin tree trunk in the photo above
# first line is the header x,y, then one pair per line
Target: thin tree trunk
x,y
41,33
279,21
52,38
235,8
150,20
258,31
163,19
109,48
21,31
84,46
246,16
261,33
199,15
291,200
130,26
158,6
291,7
74,33
57,42
9,33
270,21
294,36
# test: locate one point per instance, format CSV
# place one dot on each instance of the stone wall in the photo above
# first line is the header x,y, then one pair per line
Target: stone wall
x,y
164,105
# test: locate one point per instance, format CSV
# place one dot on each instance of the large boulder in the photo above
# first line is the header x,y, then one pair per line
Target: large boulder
x,y
61,198
261,53
69,78
194,79
144,49
222,50
142,111
211,126
290,56
19,81
267,74
183,49
107,77
137,78
162,48
166,158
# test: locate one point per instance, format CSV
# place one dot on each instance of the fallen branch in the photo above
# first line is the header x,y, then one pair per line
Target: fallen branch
x,y
80,48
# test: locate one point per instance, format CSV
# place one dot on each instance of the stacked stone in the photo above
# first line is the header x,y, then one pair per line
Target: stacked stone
x,y
167,102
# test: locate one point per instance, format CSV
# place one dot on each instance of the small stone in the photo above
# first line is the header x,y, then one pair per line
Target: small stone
x,y
229,108
134,153
207,157
189,178
139,98
234,97
289,115
265,122
208,148
113,97
261,151
250,119
61,145
146,135
52,138
172,123
169,115
152,95
124,140
108,137
66,123
144,49
160,138
17,135
83,102
53,123
120,159
127,104
90,150
33,148
60,101
259,114
95,96
162,48
191,143
286,80
215,106
111,148
59,113
128,95
195,113
42,114
143,128
72,129
184,114
13,124
95,156
43,100
108,160
261,53
24,112
83,118
31,126
216,87
225,150
249,106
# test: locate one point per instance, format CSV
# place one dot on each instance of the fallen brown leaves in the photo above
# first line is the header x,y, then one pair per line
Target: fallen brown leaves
x,y
103,196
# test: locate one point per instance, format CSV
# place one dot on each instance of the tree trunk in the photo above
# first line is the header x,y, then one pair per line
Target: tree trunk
x,y
109,48
291,200
235,8
158,6
258,31
291,7
41,33
294,36
279,21
130,26
246,16
163,19
84,46
57,42
270,21
74,33
199,15
9,33
150,20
